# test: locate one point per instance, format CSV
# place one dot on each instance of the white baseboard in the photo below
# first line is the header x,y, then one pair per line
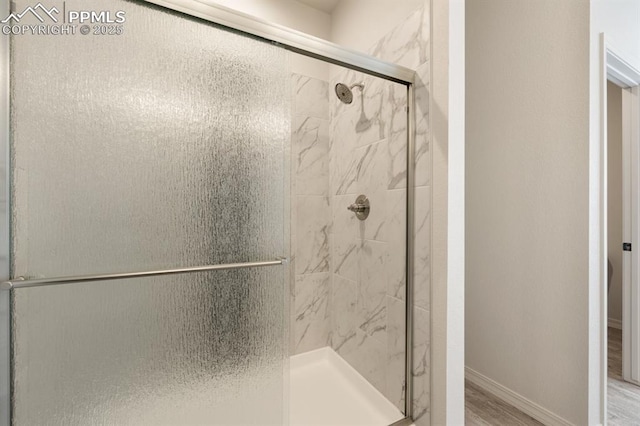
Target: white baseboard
x,y
516,400
614,323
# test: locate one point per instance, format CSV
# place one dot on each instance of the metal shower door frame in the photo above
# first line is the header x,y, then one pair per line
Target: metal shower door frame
x,y
5,214
284,37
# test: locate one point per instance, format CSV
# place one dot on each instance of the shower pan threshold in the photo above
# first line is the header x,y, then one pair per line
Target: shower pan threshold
x,y
326,390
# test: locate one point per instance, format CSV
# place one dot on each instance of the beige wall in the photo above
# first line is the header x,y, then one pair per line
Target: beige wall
x,y
527,199
358,24
289,13
614,195
295,15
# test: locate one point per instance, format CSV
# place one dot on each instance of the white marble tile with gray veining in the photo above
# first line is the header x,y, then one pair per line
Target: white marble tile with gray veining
x,y
343,161
363,122
395,366
397,243
422,247
372,289
367,143
344,295
368,356
423,152
370,111
344,221
344,256
344,177
372,174
340,129
397,137
310,141
397,100
342,115
310,97
408,43
312,234
312,321
366,119
421,366
344,242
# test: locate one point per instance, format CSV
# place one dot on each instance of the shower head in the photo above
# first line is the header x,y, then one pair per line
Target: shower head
x,y
345,93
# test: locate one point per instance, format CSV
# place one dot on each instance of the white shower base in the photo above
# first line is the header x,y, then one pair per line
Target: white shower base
x,y
326,391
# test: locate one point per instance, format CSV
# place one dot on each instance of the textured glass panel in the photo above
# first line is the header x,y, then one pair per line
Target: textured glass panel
x,y
201,348
160,147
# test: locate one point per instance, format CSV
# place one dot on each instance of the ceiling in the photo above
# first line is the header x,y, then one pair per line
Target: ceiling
x,y
323,5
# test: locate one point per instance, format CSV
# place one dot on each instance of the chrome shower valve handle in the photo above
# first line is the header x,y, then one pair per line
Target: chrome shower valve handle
x,y
357,208
361,207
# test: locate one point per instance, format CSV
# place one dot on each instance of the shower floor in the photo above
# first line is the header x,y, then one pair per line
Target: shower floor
x,y
327,391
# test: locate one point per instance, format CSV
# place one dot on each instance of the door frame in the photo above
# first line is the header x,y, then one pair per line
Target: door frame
x,y
631,233
618,70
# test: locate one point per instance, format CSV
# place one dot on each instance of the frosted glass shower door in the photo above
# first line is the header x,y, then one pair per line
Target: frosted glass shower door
x,y
159,147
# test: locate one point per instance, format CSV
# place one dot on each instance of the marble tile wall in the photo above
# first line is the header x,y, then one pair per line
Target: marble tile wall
x,y
367,156
409,45
368,257
311,215
349,275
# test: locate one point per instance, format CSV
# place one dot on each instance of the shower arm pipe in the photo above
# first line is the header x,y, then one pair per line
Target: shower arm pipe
x,y
290,39
43,282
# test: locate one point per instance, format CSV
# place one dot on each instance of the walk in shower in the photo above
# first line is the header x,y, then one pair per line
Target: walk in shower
x,y
201,233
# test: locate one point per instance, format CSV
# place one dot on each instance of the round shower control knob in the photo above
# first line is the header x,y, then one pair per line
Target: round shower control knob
x,y
361,207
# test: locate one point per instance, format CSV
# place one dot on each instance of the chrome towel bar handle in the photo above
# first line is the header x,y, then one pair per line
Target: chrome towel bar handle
x,y
21,282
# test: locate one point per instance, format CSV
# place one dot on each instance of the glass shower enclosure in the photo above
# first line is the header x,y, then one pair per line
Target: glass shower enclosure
x,y
147,241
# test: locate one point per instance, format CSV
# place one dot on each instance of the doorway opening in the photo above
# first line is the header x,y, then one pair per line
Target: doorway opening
x,y
622,285
623,396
